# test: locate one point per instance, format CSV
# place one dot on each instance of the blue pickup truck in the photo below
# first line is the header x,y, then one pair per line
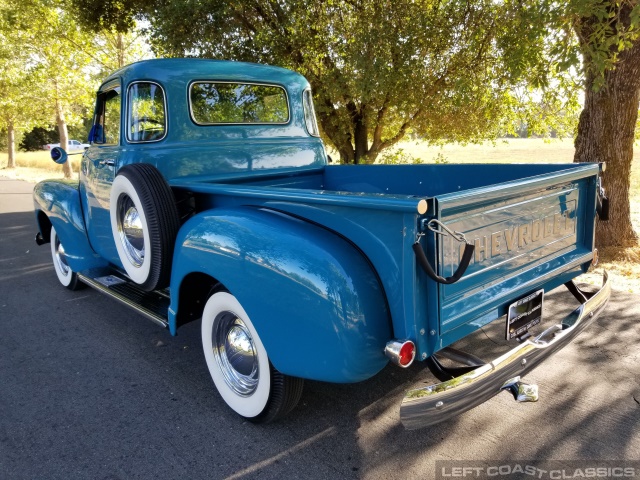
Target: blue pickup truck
x,y
206,195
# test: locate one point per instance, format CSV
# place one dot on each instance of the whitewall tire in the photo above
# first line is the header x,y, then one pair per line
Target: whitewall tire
x,y
239,364
67,277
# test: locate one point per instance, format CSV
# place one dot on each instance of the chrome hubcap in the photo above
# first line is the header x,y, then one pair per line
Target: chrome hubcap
x,y
130,230
61,258
235,353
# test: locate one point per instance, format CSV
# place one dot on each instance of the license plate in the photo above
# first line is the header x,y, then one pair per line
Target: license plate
x,y
524,314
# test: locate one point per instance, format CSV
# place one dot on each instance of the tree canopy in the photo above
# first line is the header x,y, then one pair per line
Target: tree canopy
x,y
443,70
50,66
17,106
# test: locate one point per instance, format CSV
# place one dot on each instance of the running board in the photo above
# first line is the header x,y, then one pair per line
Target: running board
x,y
153,305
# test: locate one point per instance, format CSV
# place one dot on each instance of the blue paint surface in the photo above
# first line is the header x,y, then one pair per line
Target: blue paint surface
x,y
59,200
321,256
312,296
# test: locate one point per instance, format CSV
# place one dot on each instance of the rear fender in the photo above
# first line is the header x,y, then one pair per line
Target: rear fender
x,y
57,204
313,297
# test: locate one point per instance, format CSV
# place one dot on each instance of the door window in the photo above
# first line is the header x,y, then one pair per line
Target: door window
x,y
106,126
147,113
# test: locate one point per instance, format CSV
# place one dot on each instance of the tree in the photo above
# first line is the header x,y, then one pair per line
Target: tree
x,y
17,108
609,40
449,70
379,69
10,107
44,76
37,137
65,83
600,39
113,49
62,63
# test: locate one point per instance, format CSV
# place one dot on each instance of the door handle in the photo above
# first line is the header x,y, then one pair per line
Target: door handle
x,y
110,162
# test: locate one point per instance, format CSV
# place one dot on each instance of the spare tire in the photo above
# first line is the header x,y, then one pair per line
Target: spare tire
x,y
144,222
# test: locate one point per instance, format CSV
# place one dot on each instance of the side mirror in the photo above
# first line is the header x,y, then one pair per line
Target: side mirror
x,y
58,155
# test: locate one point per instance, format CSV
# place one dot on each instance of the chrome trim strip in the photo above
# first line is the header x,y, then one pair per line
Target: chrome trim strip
x,y
157,319
436,403
310,110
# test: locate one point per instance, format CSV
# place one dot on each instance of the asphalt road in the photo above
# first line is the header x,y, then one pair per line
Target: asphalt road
x,y
90,390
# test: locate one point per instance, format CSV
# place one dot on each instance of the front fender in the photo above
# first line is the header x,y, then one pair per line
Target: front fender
x,y
313,297
57,204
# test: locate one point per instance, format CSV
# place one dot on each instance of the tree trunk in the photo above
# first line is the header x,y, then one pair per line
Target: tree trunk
x,y
606,134
121,50
352,139
64,139
11,145
361,138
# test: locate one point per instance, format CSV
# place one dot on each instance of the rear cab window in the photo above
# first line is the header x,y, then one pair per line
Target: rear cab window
x,y
219,103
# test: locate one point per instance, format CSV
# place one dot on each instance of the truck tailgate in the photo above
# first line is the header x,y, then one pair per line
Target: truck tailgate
x,y
526,233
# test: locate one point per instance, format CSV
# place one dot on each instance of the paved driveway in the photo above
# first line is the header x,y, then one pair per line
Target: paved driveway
x,y
90,390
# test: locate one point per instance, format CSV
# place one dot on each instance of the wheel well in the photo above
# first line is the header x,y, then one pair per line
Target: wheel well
x,y
195,290
186,204
44,224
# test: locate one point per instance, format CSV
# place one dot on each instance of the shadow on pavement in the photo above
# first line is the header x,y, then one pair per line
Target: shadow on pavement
x,y
92,390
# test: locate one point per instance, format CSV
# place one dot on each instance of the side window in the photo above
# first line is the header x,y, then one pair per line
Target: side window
x,y
146,117
106,125
310,113
233,103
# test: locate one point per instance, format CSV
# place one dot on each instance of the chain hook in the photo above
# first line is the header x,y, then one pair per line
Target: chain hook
x,y
444,230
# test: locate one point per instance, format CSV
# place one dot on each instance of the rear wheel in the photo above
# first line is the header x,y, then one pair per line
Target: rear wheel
x,y
239,364
67,277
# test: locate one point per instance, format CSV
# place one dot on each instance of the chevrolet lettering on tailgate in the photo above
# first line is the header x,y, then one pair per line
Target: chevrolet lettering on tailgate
x,y
517,237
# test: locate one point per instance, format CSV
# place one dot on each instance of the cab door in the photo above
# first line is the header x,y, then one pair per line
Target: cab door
x,y
99,166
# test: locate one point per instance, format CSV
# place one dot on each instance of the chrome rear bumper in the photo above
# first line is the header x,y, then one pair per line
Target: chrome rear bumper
x,y
433,404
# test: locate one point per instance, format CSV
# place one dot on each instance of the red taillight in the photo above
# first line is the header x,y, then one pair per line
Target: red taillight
x,y
401,352
407,352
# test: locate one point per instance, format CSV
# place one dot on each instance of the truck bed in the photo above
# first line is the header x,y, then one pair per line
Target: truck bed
x,y
528,222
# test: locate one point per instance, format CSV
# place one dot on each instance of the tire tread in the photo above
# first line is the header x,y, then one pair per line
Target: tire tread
x,y
162,217
286,392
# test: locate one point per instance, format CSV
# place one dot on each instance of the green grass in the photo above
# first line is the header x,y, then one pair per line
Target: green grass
x,y
40,160
516,150
35,166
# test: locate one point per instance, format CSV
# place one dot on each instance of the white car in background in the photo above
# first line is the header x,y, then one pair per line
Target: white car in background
x,y
74,145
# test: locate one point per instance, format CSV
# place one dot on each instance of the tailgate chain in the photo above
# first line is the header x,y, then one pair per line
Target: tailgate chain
x,y
424,262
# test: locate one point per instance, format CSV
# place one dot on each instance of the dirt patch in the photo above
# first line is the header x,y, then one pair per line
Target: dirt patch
x,y
623,267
